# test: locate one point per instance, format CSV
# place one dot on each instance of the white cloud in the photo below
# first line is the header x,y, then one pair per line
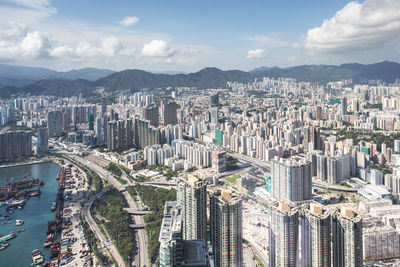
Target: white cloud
x,y
128,21
110,46
157,48
257,53
18,41
35,44
357,26
35,4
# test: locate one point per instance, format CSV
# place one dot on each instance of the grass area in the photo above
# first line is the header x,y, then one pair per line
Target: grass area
x,y
117,221
377,138
259,263
155,199
232,179
114,169
125,169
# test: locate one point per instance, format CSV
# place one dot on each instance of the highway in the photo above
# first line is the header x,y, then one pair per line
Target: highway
x,y
103,240
138,219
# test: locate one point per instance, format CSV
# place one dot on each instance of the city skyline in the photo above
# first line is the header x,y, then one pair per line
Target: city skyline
x,y
182,36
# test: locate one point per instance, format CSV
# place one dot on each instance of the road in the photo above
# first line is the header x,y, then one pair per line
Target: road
x,y
103,240
138,219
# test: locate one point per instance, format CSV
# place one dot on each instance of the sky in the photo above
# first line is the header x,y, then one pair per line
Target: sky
x,y
188,35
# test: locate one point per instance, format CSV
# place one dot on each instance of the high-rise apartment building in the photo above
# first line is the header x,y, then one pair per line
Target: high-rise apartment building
x,y
283,236
15,144
347,238
169,114
174,249
54,123
192,197
145,134
112,136
315,237
291,179
42,141
226,228
151,114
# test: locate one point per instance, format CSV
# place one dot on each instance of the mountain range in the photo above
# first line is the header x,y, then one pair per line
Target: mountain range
x,y
20,75
83,81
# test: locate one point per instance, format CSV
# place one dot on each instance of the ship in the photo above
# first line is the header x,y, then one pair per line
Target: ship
x,y
3,246
19,222
5,238
53,206
49,240
37,257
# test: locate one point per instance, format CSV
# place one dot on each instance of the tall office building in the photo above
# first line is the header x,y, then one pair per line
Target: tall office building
x,y
129,133
169,114
214,113
311,138
54,123
343,106
316,237
91,121
42,141
99,130
291,179
226,228
120,135
174,249
112,136
347,238
103,106
151,114
283,236
192,196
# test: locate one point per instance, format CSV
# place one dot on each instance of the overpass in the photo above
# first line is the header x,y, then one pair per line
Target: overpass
x,y
137,226
134,211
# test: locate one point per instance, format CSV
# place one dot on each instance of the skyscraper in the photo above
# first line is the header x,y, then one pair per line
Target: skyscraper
x,y
151,114
214,112
42,141
283,236
343,106
315,237
103,106
112,136
226,228
174,249
168,111
54,123
347,238
291,179
192,196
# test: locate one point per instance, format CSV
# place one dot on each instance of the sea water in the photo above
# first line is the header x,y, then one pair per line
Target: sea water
x,y
36,213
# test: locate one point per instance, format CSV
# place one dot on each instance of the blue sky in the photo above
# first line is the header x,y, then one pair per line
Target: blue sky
x,y
189,35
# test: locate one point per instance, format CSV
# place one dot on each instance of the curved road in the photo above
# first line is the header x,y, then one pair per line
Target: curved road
x,y
113,250
104,174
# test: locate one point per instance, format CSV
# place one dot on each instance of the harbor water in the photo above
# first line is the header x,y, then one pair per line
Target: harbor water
x,y
35,214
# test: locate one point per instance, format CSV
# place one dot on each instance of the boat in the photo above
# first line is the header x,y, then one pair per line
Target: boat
x,y
49,240
37,257
19,222
5,238
16,202
3,246
53,206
